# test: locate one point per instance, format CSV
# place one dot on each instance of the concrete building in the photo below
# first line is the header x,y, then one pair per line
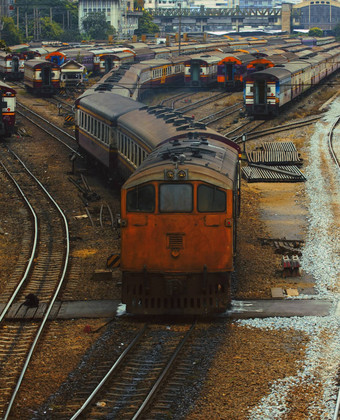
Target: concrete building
x,y
323,14
119,13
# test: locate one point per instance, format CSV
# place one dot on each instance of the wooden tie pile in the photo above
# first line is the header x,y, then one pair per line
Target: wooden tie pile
x,y
274,162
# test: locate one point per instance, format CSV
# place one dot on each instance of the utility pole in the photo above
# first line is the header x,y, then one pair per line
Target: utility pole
x,y
1,3
179,27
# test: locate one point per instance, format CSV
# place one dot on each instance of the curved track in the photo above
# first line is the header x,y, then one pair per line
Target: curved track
x,y
47,254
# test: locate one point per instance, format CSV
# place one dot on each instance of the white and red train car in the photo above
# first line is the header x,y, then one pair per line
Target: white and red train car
x,y
12,65
8,103
41,77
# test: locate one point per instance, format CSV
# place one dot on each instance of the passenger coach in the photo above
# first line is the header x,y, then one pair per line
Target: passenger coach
x,y
12,65
8,104
41,77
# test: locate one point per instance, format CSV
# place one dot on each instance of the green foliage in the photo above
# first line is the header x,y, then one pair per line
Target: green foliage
x,y
146,25
3,46
70,35
336,31
315,32
10,33
50,31
64,13
96,27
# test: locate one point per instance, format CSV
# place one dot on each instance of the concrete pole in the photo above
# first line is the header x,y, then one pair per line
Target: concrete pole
x,y
179,28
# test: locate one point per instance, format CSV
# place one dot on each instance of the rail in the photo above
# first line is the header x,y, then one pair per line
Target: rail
x,y
53,298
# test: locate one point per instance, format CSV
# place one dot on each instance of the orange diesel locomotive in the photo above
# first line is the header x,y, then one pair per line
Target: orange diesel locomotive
x,y
178,227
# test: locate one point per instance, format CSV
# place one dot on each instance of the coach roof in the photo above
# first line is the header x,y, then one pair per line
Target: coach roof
x,y
108,105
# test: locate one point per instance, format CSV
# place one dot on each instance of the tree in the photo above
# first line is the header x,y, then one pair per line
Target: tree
x,y
336,31
146,25
50,31
96,26
10,33
63,12
71,35
315,32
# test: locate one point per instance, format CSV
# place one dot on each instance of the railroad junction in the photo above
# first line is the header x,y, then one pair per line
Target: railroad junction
x,y
271,355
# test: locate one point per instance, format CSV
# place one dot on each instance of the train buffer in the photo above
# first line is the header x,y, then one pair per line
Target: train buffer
x,y
291,266
113,261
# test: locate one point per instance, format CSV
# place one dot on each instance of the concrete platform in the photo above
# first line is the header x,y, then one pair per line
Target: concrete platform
x,y
279,308
112,308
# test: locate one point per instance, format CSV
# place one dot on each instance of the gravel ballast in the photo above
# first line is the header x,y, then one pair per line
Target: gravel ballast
x,y
321,260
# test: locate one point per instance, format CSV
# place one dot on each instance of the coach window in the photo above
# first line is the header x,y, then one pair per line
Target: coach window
x,y
140,158
175,198
210,199
95,128
141,199
128,148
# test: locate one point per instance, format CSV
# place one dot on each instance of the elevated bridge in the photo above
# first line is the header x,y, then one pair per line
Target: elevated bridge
x,y
324,14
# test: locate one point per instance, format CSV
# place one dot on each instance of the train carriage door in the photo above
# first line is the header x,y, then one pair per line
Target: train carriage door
x,y
15,64
163,78
229,70
195,71
46,76
108,64
260,94
3,105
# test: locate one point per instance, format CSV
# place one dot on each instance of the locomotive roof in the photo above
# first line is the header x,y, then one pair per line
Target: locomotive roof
x,y
108,105
205,158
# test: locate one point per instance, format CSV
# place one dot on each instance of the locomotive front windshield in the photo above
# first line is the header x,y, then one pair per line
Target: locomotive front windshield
x,y
210,199
175,198
141,198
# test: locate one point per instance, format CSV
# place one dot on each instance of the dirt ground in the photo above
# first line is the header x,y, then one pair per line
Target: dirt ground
x,y
246,363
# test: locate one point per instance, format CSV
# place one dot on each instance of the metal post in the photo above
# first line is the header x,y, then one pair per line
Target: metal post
x,y
179,27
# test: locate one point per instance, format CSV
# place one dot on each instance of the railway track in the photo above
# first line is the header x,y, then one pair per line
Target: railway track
x,y
125,387
203,101
216,116
331,143
34,285
173,99
51,129
252,135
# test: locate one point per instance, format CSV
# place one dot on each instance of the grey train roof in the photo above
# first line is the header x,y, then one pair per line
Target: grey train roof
x,y
277,73
108,105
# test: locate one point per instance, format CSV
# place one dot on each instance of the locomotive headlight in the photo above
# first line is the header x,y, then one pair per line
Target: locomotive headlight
x,y
181,174
170,174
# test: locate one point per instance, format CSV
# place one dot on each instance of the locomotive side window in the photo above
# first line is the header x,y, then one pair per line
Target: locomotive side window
x,y
175,198
141,198
210,199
